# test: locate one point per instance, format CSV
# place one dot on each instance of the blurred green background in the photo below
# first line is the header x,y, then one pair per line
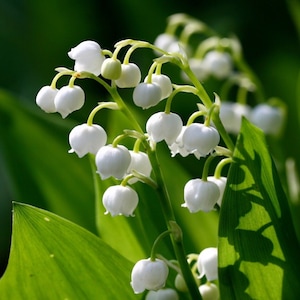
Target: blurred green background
x,y
35,37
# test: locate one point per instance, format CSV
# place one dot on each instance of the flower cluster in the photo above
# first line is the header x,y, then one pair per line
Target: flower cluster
x,y
214,57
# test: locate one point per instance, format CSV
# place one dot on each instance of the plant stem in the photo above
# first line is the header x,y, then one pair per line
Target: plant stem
x,y
176,237
161,189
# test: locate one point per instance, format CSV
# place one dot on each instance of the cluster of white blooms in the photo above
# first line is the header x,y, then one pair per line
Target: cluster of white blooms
x,y
214,57
267,117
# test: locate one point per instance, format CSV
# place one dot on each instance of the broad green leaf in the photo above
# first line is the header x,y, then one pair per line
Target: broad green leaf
x,y
258,249
52,258
34,152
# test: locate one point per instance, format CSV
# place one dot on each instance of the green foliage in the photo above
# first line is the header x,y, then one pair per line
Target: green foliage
x,y
258,248
52,258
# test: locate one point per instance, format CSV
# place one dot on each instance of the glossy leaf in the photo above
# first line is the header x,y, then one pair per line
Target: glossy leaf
x,y
258,249
34,150
52,258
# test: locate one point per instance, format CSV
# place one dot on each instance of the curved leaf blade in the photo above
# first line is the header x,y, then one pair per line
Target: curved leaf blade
x,y
258,248
52,258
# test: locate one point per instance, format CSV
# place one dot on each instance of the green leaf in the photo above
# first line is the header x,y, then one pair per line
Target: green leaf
x,y
52,258
258,249
34,152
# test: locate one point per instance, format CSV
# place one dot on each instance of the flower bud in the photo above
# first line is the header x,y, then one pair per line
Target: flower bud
x,y
209,291
207,263
164,82
86,138
130,76
88,57
162,126
221,183
112,161
45,99
200,195
69,99
111,69
268,118
139,162
146,95
120,200
180,284
200,139
163,294
149,274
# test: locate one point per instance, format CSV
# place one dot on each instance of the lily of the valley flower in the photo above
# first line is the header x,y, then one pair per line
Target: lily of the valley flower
x,y
268,118
112,161
200,139
200,195
218,64
162,126
163,294
164,82
88,57
130,76
45,99
166,42
231,114
207,263
120,200
177,147
69,99
146,95
149,274
209,291
221,183
139,162
86,138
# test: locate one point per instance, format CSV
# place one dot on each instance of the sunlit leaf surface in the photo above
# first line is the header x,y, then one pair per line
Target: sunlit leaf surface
x,y
52,258
258,249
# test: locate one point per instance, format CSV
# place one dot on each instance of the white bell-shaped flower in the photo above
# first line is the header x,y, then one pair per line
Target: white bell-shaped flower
x,y
221,183
139,162
111,68
209,291
149,274
112,161
163,294
207,263
86,138
165,42
120,200
88,57
200,139
218,64
231,114
45,99
200,195
162,126
164,83
69,99
268,118
130,76
146,95
178,146
180,283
